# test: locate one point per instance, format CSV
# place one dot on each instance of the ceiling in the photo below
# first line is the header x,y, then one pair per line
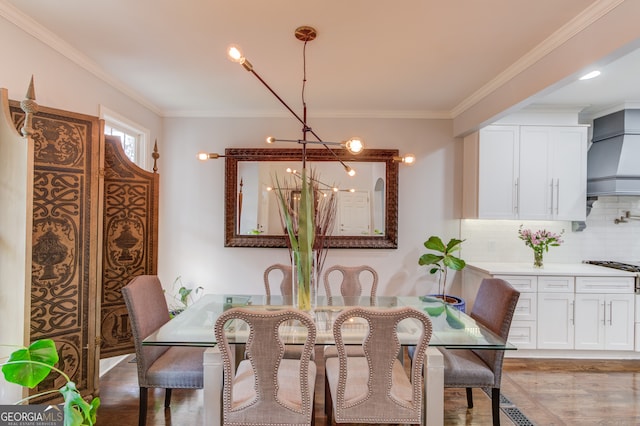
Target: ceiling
x,y
414,58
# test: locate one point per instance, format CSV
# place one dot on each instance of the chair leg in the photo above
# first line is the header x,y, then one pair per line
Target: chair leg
x,y
495,406
469,398
167,398
142,412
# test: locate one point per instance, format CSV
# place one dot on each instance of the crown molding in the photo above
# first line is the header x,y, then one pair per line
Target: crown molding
x,y
590,15
30,26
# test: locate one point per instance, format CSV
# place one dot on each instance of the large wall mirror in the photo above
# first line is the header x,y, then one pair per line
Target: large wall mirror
x,y
367,212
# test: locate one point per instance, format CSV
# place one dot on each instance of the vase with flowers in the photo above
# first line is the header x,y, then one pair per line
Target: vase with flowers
x,y
540,241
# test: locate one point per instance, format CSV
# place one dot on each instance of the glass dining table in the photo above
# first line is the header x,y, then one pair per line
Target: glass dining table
x,y
451,329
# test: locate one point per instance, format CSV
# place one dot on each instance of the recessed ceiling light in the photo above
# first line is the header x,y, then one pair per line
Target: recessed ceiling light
x,y
590,75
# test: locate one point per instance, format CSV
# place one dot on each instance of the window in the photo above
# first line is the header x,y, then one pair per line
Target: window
x,y
135,138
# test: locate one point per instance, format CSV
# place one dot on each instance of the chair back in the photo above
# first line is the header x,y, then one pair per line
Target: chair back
x,y
148,310
494,307
285,283
381,401
351,284
275,380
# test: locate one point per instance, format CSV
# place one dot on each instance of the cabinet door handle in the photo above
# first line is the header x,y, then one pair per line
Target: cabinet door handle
x,y
557,196
610,313
517,197
573,313
604,314
551,193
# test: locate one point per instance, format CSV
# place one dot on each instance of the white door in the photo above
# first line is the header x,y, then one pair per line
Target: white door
x,y
555,320
590,321
620,323
354,213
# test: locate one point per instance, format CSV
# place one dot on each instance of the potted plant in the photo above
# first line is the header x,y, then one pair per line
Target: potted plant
x,y
30,366
441,261
183,295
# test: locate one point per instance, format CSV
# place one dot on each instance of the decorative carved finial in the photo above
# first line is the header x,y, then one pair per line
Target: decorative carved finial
x,y
155,155
30,107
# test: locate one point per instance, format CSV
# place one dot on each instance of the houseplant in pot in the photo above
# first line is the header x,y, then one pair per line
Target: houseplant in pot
x,y
440,262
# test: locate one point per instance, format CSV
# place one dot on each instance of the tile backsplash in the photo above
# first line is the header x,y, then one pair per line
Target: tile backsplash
x,y
602,239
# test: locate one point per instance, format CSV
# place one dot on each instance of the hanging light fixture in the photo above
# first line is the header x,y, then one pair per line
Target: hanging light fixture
x,y
353,145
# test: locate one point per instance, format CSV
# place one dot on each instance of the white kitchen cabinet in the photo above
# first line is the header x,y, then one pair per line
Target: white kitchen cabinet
x,y
556,320
604,320
523,332
525,172
553,179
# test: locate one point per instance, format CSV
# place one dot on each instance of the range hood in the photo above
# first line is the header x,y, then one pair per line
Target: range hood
x,y
613,161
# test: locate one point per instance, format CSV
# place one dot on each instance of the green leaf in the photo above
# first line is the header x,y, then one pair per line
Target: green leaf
x,y
452,318
435,243
454,263
434,311
29,366
77,411
453,245
429,259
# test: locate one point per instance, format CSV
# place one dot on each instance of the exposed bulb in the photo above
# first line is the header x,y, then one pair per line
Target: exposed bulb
x,y
203,156
349,170
271,139
409,159
354,145
234,53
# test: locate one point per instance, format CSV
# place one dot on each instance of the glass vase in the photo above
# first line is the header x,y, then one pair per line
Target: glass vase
x,y
304,280
537,259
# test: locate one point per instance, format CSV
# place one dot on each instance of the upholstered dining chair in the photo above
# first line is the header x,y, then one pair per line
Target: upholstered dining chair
x,y
466,368
168,367
350,283
285,282
375,388
266,388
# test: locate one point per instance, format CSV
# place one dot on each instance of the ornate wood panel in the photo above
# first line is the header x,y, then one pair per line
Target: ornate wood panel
x,y
130,243
66,229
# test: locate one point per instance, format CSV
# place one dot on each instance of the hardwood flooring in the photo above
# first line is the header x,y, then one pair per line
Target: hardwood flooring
x,y
547,392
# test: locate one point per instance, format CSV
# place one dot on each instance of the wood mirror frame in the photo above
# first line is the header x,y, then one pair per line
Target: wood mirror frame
x,y
389,240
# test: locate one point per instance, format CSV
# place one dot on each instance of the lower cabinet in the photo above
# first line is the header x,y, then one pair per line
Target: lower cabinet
x,y
572,312
604,320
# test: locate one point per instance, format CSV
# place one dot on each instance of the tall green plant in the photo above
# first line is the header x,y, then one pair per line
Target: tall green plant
x,y
442,260
30,366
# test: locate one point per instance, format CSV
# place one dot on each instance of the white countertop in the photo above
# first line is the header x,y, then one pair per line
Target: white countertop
x,y
576,269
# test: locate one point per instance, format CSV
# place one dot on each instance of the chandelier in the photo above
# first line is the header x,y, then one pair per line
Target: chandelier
x,y
353,145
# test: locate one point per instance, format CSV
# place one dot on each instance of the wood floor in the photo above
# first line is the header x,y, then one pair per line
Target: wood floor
x,y
547,392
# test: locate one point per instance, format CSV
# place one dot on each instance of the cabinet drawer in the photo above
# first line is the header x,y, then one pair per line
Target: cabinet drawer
x,y
522,283
527,307
549,284
605,285
522,334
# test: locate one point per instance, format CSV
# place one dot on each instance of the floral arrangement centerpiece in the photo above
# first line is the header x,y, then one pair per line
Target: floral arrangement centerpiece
x,y
308,216
540,241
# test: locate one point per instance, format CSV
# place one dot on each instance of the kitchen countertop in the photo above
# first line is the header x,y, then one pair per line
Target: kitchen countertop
x,y
575,269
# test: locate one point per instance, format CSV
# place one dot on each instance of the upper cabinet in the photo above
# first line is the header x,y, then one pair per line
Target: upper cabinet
x,y
525,172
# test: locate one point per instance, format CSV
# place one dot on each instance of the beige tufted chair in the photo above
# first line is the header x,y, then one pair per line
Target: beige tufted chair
x,y
465,368
375,388
167,367
266,388
285,283
351,284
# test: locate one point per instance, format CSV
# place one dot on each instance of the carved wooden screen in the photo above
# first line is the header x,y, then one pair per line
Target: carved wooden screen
x,y
130,242
66,246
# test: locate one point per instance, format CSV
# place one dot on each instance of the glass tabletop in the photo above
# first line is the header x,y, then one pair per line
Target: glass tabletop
x,y
451,328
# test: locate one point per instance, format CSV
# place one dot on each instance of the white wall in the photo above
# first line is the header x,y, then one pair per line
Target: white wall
x,y
192,200
602,239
